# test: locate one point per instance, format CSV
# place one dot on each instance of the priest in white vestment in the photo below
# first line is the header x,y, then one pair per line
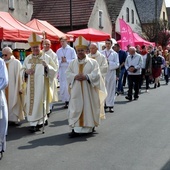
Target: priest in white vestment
x,y
14,90
39,71
65,55
47,50
3,107
110,79
100,58
87,93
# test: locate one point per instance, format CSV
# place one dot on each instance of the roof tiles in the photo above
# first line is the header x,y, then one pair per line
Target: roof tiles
x,y
57,12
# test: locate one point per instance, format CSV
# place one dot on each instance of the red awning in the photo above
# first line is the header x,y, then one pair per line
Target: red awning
x,y
13,30
51,33
91,34
140,41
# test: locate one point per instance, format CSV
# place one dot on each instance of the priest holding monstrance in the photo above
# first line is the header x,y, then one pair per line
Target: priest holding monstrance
x,y
39,72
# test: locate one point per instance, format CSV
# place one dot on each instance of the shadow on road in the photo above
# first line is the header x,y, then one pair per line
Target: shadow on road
x,y
60,140
122,102
166,166
59,123
19,132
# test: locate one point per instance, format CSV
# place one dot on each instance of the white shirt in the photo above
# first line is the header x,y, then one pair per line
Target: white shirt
x,y
136,61
144,60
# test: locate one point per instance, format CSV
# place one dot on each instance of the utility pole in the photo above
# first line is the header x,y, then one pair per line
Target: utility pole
x,y
71,21
156,21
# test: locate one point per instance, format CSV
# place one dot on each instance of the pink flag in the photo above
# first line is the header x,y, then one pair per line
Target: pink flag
x,y
126,34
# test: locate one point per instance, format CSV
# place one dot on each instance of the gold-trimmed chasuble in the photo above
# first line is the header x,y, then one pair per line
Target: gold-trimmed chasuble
x,y
81,119
34,61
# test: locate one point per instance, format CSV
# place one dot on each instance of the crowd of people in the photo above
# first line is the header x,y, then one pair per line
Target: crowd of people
x,y
89,82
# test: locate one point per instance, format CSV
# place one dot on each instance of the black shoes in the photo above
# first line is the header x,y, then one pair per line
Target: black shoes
x,y
14,123
128,98
66,105
158,84
136,98
155,86
45,124
48,114
111,110
73,134
1,155
105,107
34,129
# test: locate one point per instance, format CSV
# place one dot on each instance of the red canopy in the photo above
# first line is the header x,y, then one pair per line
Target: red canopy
x,y
13,30
91,34
140,41
51,33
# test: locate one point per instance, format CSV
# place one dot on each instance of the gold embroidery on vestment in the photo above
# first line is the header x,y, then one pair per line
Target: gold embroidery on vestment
x,y
34,61
81,119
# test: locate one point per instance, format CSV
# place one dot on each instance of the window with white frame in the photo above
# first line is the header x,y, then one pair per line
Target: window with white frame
x,y
11,4
100,19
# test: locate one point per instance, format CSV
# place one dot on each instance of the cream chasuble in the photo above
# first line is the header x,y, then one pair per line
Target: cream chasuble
x,y
38,86
54,57
102,61
14,99
85,98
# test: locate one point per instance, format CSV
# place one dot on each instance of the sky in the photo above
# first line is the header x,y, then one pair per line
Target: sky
x,y
167,2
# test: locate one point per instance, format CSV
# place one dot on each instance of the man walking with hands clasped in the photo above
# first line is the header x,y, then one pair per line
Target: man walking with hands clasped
x,y
133,65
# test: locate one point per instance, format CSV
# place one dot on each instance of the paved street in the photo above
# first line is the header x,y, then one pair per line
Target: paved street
x,y
135,137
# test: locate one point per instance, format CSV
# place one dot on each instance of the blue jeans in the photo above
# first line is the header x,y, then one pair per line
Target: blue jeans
x,y
120,81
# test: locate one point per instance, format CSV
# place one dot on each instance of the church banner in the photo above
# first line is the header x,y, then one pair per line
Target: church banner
x,y
126,34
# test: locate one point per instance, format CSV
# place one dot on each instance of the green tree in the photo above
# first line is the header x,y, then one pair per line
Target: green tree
x,y
157,32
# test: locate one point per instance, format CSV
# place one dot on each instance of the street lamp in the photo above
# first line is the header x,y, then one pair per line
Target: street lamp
x,y
71,24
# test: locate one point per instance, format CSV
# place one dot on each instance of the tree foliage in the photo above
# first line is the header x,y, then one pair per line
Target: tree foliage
x,y
157,32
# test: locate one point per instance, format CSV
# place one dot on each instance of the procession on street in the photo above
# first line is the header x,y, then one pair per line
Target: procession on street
x,y
85,71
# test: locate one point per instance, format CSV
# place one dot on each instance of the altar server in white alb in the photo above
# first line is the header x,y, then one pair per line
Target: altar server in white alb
x,y
38,71
110,79
65,55
87,92
3,107
14,90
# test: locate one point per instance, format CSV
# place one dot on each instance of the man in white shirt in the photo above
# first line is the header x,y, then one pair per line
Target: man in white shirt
x,y
133,65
